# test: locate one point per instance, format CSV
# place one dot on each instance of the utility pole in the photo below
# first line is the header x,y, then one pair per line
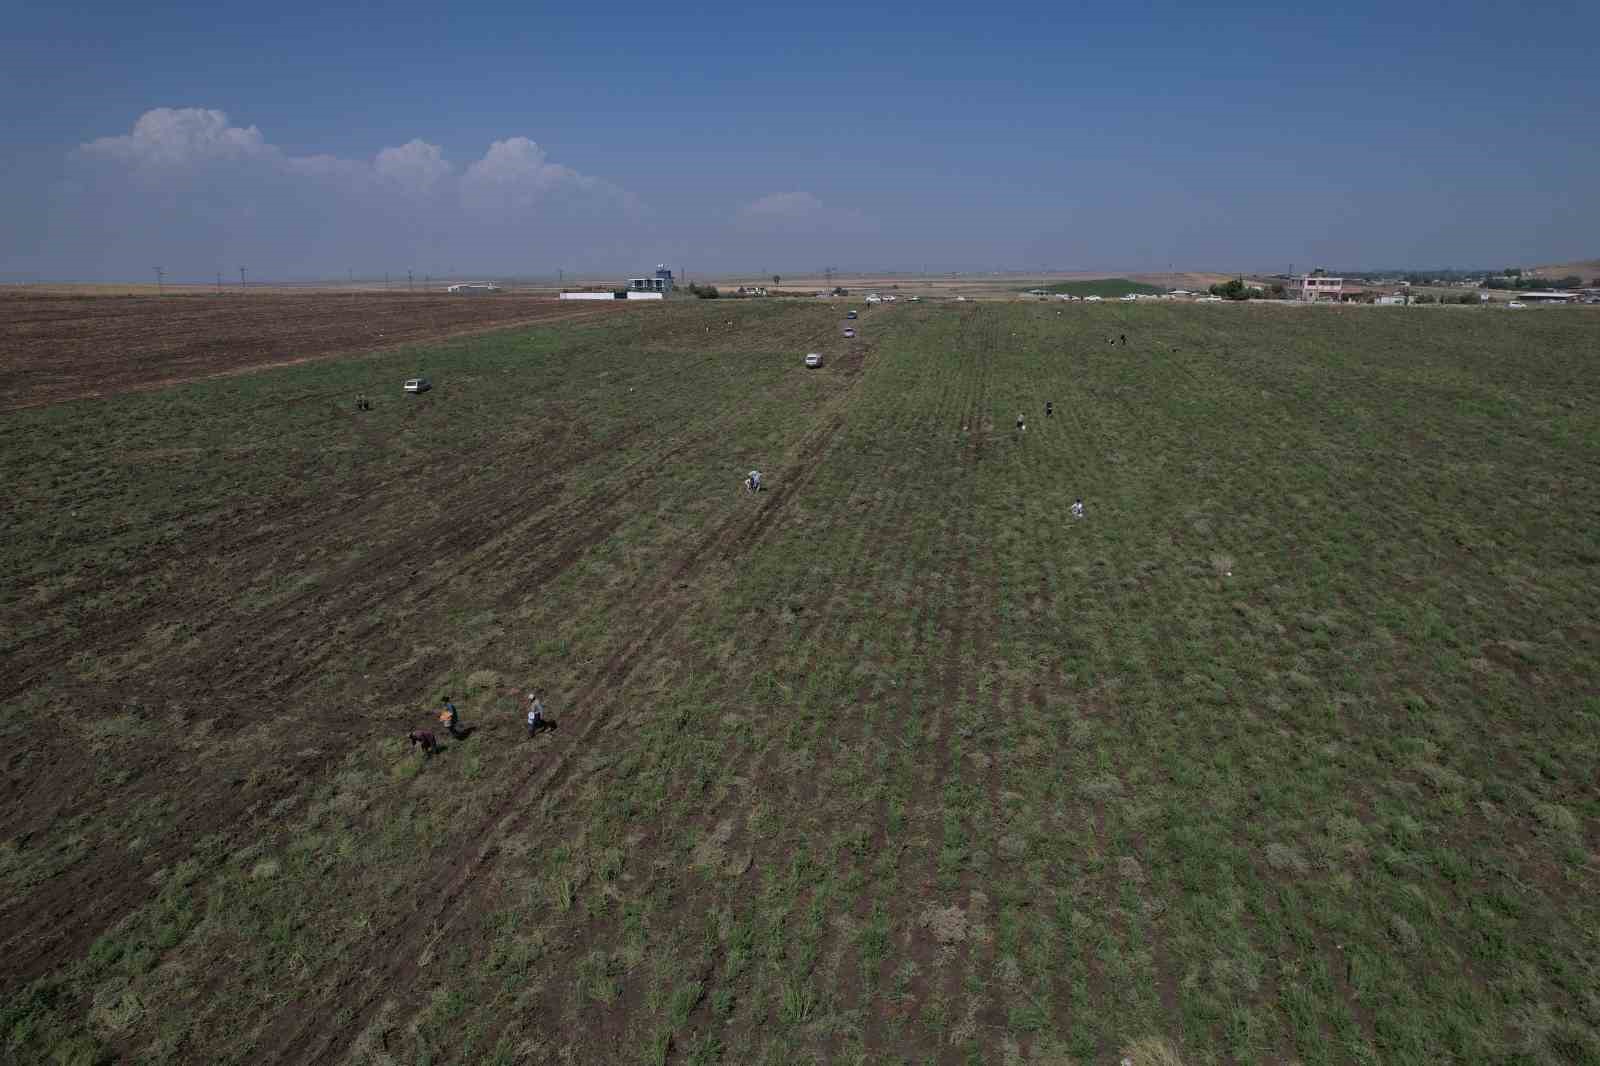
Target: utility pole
x,y
411,282
161,282
219,283
241,280
385,281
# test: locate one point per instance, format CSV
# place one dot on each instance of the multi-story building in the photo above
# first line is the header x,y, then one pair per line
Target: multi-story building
x,y
1314,286
662,282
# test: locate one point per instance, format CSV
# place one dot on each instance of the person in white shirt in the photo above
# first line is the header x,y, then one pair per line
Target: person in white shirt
x,y
536,720
1077,508
752,483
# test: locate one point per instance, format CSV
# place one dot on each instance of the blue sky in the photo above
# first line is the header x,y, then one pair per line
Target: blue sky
x,y
305,140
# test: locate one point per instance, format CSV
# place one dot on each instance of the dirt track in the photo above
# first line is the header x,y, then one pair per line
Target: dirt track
x,y
59,347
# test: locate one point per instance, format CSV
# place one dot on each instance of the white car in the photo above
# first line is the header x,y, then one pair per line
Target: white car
x,y
1128,297
814,360
849,331
1515,305
1093,299
874,298
418,385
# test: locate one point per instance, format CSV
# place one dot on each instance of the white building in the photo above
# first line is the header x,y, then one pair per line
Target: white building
x,y
661,282
1314,287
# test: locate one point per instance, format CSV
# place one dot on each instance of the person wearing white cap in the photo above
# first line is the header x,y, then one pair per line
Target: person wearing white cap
x,y
535,713
752,482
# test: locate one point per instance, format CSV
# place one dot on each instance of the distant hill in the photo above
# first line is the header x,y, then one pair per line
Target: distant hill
x,y
1587,269
1100,287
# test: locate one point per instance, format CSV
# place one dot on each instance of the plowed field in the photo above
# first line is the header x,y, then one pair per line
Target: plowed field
x,y
59,347
1285,752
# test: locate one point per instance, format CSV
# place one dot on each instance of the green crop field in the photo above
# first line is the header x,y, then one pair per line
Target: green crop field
x,y
1287,751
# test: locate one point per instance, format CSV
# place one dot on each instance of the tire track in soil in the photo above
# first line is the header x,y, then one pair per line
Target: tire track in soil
x,y
956,619
479,497
976,603
888,520
575,945
1160,957
899,912
974,728
400,966
806,638
849,981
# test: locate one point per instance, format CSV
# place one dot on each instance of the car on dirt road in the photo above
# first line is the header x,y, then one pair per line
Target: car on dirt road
x,y
850,314
814,360
849,331
418,385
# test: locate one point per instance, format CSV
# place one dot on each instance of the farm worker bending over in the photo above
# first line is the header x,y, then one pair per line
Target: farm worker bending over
x,y
449,716
425,738
752,482
1022,426
535,713
1049,408
1077,508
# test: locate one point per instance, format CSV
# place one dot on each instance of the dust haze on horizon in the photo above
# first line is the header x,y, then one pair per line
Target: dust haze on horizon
x,y
1140,140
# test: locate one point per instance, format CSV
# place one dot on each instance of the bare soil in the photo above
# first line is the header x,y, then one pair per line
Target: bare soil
x,y
56,347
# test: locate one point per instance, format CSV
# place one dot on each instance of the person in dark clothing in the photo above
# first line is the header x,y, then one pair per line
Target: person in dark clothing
x,y
1049,408
536,720
452,719
1123,339
425,738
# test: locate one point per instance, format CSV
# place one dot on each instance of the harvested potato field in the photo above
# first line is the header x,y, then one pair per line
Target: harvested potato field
x,y
1285,751
57,347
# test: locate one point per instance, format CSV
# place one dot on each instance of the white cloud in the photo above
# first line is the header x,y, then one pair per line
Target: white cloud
x,y
185,183
416,167
514,175
170,137
783,205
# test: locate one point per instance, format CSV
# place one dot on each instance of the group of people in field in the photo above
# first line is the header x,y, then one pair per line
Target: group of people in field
x,y
536,720
424,739
1049,412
